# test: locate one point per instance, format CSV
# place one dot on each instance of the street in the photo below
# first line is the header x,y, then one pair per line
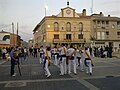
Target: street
x,y
106,76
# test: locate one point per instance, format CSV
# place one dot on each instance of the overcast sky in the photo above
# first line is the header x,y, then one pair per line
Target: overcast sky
x,y
28,13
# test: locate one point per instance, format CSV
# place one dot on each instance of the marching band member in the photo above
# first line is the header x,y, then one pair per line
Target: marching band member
x,y
79,55
62,58
71,59
47,61
88,61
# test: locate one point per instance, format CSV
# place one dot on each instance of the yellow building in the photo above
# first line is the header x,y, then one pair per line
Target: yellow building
x,y
78,28
66,27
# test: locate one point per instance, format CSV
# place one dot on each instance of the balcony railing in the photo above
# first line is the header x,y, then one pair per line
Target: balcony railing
x,y
68,40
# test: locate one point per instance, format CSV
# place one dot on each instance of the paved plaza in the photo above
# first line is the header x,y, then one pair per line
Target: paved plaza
x,y
106,76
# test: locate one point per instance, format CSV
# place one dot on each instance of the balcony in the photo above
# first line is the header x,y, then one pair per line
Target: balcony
x,y
69,41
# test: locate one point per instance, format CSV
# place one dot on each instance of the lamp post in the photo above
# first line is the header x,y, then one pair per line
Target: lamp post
x,y
59,36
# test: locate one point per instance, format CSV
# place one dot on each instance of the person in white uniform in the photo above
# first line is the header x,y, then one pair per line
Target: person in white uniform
x,y
88,61
62,59
71,59
41,54
79,55
47,60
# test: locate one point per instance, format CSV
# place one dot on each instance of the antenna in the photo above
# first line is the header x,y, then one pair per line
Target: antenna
x,y
92,7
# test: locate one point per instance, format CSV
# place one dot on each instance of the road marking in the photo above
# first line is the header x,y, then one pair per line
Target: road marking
x,y
39,80
85,83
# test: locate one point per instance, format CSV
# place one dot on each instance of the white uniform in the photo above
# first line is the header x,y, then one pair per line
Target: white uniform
x,y
88,62
71,61
63,68
41,55
80,59
47,72
55,56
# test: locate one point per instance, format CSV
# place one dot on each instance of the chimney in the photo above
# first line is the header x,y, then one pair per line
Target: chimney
x,y
108,15
101,14
84,12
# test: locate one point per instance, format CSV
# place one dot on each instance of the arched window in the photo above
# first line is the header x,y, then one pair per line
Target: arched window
x,y
81,27
68,27
56,26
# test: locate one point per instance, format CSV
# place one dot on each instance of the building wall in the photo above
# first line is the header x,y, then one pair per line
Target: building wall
x,y
98,29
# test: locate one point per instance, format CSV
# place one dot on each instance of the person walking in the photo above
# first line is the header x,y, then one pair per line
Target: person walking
x,y
47,60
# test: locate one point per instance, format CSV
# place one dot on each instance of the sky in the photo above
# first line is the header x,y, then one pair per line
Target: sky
x,y
28,13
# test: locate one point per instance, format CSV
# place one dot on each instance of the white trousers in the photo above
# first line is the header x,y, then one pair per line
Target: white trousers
x,y
41,59
56,60
47,72
89,68
63,68
71,62
82,64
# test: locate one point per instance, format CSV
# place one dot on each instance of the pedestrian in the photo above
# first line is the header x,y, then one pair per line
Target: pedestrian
x,y
14,60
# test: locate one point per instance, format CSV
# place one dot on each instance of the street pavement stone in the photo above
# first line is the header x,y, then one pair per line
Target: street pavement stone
x,y
108,83
33,76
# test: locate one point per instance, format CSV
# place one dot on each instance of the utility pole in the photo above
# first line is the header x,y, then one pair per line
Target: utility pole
x,y
92,7
17,35
13,34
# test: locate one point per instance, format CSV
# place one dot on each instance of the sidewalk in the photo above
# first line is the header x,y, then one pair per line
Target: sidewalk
x,y
33,77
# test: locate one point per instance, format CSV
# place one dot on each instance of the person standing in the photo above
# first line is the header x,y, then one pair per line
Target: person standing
x,y
88,61
71,59
63,69
4,51
13,61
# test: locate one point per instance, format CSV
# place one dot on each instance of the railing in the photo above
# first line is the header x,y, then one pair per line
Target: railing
x,y
68,40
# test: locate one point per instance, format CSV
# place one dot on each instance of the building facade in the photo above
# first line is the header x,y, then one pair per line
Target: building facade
x,y
78,29
8,39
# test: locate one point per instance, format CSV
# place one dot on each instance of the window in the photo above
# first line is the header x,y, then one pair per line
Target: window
x,y
118,34
94,24
102,35
103,24
107,22
81,26
62,28
98,23
118,24
98,35
68,36
56,26
68,28
56,36
80,36
107,33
